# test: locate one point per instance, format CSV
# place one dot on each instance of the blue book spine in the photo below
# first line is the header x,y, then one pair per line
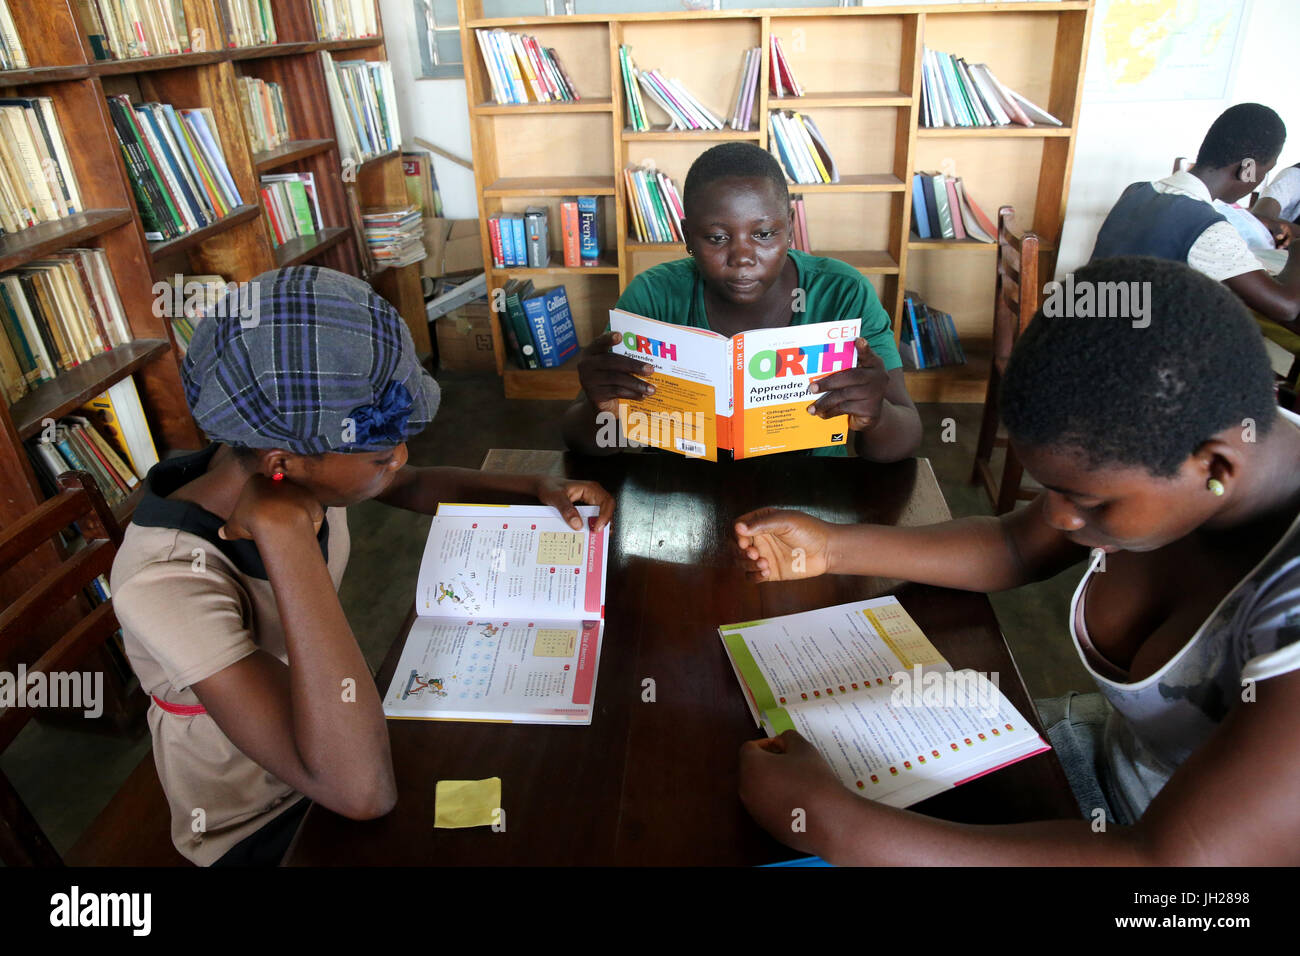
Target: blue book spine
x,y
507,240
520,239
563,334
916,334
588,238
540,326
919,212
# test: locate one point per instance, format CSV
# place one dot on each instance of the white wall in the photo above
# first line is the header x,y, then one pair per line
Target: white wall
x,y
1121,143
1118,143
435,110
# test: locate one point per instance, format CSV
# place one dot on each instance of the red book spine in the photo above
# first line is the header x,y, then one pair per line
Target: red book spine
x,y
494,234
571,233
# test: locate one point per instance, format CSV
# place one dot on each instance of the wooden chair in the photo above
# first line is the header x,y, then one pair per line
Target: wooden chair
x,y
1015,299
135,827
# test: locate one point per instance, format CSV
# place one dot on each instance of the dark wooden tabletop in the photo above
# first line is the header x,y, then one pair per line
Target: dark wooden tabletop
x,y
656,782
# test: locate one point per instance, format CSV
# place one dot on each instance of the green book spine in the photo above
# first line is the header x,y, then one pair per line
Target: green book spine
x,y
301,208
515,309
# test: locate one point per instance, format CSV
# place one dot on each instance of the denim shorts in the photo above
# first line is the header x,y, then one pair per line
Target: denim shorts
x,y
1075,728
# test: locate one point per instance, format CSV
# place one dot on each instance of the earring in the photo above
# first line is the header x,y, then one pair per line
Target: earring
x,y
1215,487
278,476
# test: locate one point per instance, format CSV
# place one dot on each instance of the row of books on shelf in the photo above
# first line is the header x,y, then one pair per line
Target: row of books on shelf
x,y
248,22
957,93
176,164
364,103
538,326
802,241
929,338
109,439
801,150
943,209
126,29
780,78
522,240
37,183
291,206
521,70
12,54
265,118
57,312
742,109
684,110
395,237
345,19
654,205
193,297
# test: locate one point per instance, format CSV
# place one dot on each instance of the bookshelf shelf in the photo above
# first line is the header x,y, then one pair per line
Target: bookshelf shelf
x,y
18,248
378,160
608,267
305,248
865,183
861,68
994,132
525,186
866,261
268,50
595,105
955,383
701,135
655,246
145,64
291,152
236,216
77,386
950,245
42,74
810,101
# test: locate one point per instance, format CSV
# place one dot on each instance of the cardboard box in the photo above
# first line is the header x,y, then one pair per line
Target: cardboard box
x,y
454,246
465,338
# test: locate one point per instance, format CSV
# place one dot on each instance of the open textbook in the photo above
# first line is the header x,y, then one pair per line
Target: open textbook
x,y
864,685
747,394
510,609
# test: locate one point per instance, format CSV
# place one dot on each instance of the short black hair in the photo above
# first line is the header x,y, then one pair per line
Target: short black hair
x,y
733,160
1247,130
1129,396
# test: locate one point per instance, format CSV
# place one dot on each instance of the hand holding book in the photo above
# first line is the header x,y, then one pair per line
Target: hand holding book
x,y
857,392
607,377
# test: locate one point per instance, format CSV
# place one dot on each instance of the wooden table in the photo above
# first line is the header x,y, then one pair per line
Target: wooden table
x,y
656,782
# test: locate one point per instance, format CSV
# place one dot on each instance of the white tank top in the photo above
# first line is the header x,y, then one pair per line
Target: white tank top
x,y
1253,634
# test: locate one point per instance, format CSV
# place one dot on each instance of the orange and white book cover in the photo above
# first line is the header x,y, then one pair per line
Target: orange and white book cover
x,y
747,394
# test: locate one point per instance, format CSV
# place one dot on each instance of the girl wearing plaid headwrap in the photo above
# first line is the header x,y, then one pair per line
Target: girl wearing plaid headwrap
x,y
308,385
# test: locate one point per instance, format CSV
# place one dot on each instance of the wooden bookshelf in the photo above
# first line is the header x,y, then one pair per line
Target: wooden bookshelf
x,y
237,247
860,71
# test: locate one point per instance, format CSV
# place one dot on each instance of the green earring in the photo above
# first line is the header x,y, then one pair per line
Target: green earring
x,y
1215,487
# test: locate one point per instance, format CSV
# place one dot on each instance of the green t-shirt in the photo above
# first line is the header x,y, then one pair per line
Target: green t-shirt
x,y
674,292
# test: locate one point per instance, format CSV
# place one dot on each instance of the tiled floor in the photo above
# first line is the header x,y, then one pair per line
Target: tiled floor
x,y
66,777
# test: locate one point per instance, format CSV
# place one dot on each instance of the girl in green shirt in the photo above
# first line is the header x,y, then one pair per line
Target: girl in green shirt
x,y
742,275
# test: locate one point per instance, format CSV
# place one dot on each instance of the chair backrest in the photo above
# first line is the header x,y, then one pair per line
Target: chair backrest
x,y
1016,290
66,583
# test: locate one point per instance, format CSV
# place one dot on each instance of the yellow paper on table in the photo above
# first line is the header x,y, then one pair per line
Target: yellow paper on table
x,y
466,803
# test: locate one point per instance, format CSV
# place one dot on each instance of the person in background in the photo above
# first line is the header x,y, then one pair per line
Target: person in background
x,y
1175,218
